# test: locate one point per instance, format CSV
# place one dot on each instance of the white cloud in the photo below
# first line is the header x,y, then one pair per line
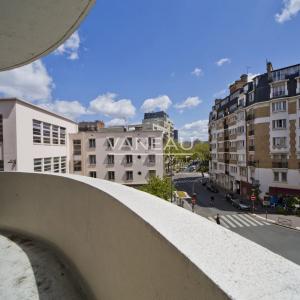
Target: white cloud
x,y
223,61
160,102
108,105
31,82
197,72
189,102
220,94
69,109
116,122
70,47
195,130
251,76
291,9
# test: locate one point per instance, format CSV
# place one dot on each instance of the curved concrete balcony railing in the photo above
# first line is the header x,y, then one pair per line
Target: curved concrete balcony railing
x,y
130,245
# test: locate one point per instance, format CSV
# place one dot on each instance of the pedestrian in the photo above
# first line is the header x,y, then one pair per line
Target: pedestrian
x,y
218,219
194,201
212,199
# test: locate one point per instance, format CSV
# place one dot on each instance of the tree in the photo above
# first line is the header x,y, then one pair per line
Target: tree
x,y
160,187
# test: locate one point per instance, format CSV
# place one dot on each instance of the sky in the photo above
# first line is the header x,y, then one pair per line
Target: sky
x,y
130,57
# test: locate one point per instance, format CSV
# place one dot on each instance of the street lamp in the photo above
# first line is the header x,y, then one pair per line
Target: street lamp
x,y
171,174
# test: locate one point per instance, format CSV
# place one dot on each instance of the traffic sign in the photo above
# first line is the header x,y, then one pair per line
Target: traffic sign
x,y
253,197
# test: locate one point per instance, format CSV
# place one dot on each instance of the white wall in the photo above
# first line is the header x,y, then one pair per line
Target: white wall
x,y
265,177
129,245
9,147
26,149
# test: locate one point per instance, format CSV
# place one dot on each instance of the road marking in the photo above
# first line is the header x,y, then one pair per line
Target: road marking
x,y
252,219
247,220
222,223
227,221
234,221
241,220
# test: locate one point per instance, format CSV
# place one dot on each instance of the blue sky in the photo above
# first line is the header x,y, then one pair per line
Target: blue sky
x,y
126,52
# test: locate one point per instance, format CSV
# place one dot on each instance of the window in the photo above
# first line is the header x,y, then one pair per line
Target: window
x,y
110,159
129,175
111,175
55,134
1,129
77,147
152,173
37,165
128,159
46,133
151,158
151,143
251,97
63,161
278,90
47,164
62,135
276,176
128,141
77,165
92,159
284,177
37,133
279,124
110,142
279,142
93,174
1,165
279,106
92,143
56,164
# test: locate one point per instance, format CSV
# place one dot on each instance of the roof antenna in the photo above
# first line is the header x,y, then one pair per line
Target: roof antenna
x,y
247,69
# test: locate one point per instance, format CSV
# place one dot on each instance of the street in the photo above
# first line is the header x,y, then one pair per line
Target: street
x,y
280,240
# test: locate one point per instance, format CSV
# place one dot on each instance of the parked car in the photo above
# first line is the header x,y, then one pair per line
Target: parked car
x,y
230,197
239,204
211,188
204,181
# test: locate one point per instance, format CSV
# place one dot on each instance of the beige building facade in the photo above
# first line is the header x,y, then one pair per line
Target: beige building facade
x,y
254,135
127,155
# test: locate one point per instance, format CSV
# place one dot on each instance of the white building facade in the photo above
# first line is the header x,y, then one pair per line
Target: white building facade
x,y
125,155
33,139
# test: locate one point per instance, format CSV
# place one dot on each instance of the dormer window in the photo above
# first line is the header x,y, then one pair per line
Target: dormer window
x,y
298,85
278,90
251,97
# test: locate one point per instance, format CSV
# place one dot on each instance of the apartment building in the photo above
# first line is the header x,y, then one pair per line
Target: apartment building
x,y
159,121
254,134
127,155
33,138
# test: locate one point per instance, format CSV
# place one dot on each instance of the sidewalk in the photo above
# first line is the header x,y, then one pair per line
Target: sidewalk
x,y
281,220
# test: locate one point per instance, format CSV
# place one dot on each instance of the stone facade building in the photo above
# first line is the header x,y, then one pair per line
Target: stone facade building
x,y
254,134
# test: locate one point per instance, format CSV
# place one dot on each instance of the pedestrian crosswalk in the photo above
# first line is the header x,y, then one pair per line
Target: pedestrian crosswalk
x,y
239,220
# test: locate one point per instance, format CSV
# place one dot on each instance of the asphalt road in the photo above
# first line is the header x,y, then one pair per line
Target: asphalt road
x,y
280,240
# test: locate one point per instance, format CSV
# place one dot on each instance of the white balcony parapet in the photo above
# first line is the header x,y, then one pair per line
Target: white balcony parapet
x,y
127,244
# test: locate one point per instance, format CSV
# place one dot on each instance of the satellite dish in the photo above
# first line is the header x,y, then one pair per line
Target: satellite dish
x,y
33,28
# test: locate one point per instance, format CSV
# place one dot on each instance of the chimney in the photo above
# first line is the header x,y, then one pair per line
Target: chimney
x,y
99,125
244,78
269,70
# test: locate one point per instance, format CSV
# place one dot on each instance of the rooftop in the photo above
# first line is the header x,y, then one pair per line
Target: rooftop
x,y
36,107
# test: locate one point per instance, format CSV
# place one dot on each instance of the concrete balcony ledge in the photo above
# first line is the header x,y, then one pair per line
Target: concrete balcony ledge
x,y
127,244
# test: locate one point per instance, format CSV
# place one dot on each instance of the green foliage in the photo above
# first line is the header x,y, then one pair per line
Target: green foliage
x,y
159,187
